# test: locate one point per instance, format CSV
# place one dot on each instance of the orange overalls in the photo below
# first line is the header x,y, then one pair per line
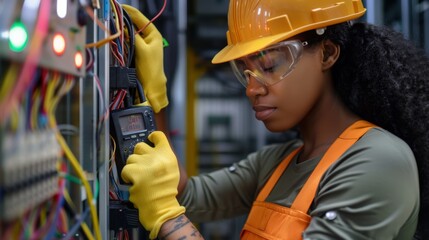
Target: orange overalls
x,y
271,221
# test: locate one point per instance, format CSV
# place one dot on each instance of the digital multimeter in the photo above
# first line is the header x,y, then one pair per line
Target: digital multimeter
x,y
128,127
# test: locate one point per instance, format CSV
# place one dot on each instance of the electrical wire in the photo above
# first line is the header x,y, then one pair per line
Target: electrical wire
x,y
102,42
52,101
90,58
102,103
34,114
31,61
103,113
140,91
131,36
49,228
78,223
115,45
52,229
76,166
115,52
28,224
113,154
120,18
115,185
10,229
9,79
64,221
68,199
84,226
154,18
118,100
33,102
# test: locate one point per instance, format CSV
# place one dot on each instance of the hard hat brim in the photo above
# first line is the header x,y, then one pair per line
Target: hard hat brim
x,y
241,49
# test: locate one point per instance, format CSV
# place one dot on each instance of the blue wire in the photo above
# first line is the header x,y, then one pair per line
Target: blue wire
x,y
76,226
114,30
53,228
116,187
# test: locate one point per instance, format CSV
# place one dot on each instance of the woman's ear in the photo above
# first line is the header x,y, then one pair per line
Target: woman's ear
x,y
330,54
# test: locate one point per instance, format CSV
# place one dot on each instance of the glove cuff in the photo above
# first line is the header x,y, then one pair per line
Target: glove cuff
x,y
170,214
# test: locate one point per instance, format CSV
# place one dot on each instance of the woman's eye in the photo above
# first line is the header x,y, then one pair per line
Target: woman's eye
x,y
270,69
270,64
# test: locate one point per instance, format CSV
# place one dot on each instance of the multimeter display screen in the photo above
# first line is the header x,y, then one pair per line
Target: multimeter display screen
x,y
131,124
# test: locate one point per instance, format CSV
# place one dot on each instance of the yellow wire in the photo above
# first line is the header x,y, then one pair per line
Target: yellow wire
x,y
111,37
76,166
87,231
35,109
68,199
5,90
66,86
51,104
50,90
14,120
43,216
113,153
8,81
17,229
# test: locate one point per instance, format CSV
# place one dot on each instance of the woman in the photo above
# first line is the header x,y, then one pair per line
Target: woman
x,y
357,93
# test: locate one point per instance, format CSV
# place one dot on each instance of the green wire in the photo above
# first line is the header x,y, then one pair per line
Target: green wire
x,y
71,178
97,189
76,180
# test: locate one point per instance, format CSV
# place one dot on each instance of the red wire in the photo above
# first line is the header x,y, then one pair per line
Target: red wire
x,y
32,60
154,18
121,24
116,54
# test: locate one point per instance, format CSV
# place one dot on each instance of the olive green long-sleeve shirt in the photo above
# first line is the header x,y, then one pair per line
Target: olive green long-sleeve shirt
x,y
370,192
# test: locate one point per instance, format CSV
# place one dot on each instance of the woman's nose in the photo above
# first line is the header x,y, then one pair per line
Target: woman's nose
x,y
254,86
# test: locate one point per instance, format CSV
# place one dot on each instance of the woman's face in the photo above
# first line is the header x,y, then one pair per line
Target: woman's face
x,y
285,104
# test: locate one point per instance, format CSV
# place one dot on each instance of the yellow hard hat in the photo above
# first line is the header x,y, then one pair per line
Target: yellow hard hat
x,y
256,24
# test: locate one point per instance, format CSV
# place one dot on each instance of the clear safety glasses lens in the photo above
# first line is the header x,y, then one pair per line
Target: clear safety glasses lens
x,y
270,65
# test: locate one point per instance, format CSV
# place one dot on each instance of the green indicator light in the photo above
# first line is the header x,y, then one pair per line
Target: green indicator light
x,y
18,37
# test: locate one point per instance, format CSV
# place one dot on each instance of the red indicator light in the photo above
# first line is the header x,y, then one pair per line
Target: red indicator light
x,y
78,59
59,44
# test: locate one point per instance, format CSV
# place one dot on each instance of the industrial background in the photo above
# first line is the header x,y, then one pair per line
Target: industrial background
x,y
59,92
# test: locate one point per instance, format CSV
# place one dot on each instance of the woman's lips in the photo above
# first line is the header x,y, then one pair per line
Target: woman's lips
x,y
262,113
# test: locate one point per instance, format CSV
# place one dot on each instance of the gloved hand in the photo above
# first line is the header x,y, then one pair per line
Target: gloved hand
x,y
149,55
154,175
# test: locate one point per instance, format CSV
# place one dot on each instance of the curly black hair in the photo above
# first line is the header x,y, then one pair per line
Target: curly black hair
x,y
384,78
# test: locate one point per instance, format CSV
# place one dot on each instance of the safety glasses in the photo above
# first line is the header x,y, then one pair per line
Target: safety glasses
x,y
270,65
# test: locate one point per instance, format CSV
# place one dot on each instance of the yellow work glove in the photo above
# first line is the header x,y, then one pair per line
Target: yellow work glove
x,y
149,59
154,175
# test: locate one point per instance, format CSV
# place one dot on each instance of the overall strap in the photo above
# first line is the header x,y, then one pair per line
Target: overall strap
x,y
355,131
276,175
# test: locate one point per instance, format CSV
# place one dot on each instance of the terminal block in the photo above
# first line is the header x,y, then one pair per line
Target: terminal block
x,y
28,171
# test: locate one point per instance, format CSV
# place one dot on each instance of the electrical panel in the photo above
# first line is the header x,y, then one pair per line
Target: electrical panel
x,y
50,188
72,109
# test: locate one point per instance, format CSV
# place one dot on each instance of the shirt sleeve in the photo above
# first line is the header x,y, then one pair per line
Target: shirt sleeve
x,y
229,192
371,192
